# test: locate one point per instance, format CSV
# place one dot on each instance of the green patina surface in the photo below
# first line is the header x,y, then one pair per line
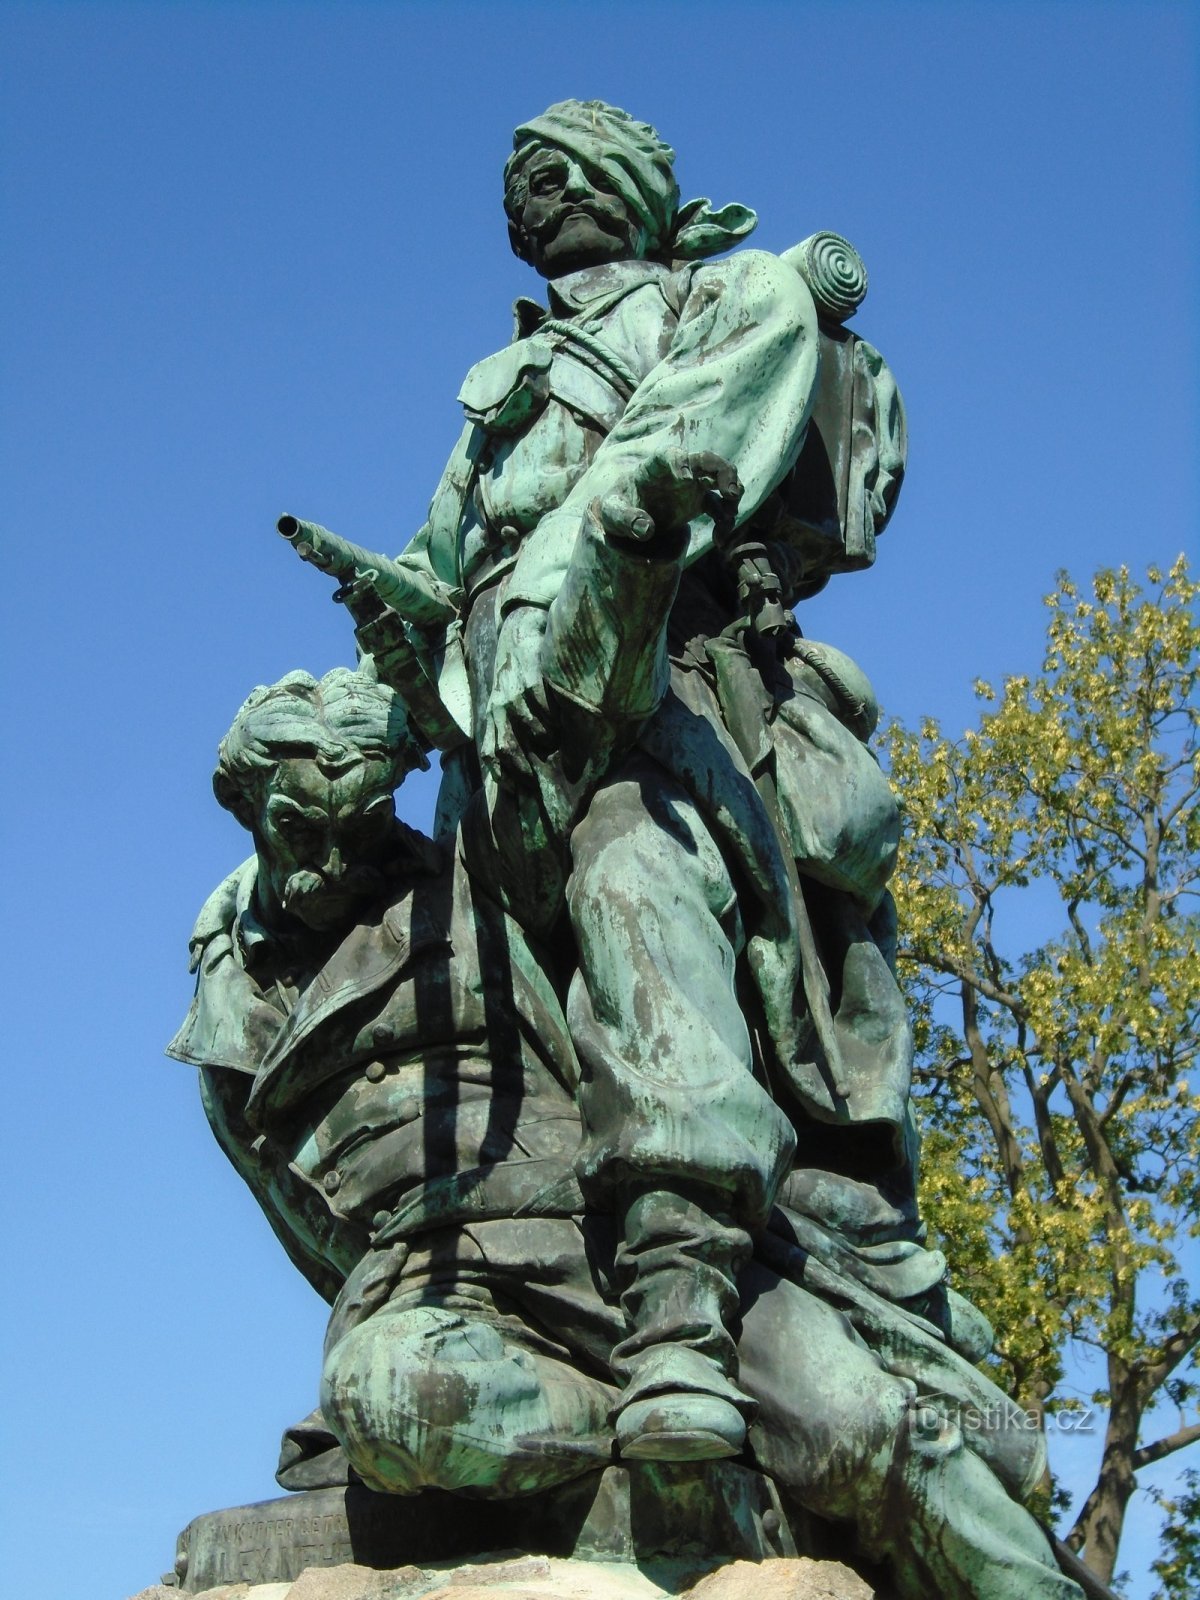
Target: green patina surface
x,y
590,1115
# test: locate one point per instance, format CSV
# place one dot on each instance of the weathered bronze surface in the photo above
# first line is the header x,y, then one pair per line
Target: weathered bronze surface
x,y
652,1513
590,1115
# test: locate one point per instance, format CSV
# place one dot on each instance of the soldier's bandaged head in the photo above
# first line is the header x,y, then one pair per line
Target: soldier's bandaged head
x,y
628,158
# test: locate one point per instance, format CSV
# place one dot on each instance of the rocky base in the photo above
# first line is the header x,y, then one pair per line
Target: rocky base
x,y
547,1578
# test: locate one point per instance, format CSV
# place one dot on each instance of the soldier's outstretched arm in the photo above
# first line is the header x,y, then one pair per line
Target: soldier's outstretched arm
x,y
603,655
594,666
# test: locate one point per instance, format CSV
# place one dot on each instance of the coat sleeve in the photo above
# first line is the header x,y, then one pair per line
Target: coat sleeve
x,y
598,657
738,380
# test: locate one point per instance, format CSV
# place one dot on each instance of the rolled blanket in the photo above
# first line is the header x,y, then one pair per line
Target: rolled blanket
x,y
834,272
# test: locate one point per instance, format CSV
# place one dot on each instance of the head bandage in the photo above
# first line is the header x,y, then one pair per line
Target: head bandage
x,y
631,160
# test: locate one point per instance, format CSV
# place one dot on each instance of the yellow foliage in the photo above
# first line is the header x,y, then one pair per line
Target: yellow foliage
x,y
1048,889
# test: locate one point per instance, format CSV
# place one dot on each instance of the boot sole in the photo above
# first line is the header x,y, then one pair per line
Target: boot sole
x,y
692,1445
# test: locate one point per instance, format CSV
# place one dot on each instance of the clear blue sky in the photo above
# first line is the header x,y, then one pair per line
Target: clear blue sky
x,y
248,253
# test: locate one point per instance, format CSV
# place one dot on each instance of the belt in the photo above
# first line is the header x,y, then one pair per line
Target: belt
x,y
532,1188
487,573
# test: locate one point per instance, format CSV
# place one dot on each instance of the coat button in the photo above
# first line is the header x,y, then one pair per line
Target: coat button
x,y
333,1181
381,1033
409,1109
380,1220
375,1071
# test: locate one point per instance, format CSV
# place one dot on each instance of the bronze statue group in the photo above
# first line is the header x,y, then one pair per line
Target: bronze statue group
x,y
590,1114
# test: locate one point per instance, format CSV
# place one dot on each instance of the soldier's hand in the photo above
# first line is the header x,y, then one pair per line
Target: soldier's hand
x,y
674,487
621,518
515,721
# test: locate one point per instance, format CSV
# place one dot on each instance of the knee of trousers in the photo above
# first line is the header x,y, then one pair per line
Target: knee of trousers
x,y
834,1451
634,839
422,1397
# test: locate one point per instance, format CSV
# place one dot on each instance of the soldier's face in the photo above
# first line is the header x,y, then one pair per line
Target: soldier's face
x,y
562,219
324,840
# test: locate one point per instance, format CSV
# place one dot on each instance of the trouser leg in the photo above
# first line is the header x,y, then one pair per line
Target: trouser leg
x,y
669,1095
678,1364
425,1396
678,1263
947,1527
856,1444
680,1138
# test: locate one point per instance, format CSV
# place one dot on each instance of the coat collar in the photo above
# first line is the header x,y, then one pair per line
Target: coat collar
x,y
372,955
229,1023
597,289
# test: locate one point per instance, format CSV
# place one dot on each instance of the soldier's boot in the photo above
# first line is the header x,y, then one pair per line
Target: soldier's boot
x,y
678,1262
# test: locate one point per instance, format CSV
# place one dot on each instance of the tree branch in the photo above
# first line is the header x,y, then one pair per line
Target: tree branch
x,y
1040,1096
992,1097
1179,1440
1153,1374
966,974
1118,1095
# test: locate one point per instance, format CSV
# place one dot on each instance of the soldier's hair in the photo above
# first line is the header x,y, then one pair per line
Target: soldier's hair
x,y
336,721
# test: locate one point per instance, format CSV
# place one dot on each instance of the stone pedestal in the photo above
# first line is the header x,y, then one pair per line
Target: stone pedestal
x,y
549,1578
625,1514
